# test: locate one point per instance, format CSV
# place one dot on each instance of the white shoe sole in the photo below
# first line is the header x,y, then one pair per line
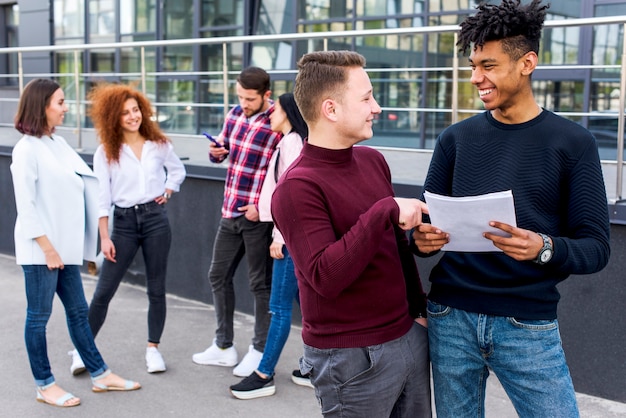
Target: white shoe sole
x,y
302,382
253,394
221,363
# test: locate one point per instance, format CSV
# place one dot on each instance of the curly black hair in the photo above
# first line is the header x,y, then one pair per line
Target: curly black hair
x,y
519,26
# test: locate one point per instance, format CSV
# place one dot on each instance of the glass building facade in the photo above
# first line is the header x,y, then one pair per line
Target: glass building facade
x,y
183,76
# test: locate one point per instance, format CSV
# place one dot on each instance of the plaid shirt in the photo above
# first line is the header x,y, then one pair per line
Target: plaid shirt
x,y
250,142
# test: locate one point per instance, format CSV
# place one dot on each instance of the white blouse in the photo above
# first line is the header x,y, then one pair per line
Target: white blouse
x,y
132,181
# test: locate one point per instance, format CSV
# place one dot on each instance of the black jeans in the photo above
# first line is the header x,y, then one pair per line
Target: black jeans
x,y
144,226
236,237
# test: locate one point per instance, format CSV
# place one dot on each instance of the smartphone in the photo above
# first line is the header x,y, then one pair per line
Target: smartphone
x,y
217,144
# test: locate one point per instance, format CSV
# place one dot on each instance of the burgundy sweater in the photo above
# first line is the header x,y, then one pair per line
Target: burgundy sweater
x,y
358,280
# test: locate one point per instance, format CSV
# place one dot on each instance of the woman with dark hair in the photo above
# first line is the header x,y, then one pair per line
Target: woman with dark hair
x,y
53,234
138,172
285,118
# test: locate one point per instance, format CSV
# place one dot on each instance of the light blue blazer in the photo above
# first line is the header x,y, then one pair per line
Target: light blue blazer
x,y
56,194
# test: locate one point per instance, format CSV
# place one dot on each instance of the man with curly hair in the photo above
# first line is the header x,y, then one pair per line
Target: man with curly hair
x,y
498,310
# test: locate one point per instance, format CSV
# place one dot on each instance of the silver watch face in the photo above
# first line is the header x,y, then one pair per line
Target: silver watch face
x,y
546,255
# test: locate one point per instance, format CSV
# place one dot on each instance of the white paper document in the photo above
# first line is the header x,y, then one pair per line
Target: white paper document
x,y
467,218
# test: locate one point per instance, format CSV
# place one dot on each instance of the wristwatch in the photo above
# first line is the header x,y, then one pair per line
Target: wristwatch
x,y
545,254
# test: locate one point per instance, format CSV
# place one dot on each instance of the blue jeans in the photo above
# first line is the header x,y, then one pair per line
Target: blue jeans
x,y
144,226
235,238
284,290
41,284
525,355
384,380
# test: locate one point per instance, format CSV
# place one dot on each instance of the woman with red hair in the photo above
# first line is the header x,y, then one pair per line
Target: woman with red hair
x,y
138,172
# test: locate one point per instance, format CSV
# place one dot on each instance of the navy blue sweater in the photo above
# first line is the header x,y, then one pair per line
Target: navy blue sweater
x,y
552,166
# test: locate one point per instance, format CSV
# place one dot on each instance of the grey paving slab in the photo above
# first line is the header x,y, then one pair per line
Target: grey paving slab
x,y
185,389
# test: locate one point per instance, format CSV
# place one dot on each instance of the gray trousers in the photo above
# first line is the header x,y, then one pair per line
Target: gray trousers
x,y
384,380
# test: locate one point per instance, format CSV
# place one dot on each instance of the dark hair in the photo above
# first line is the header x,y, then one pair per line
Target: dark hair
x,y
322,75
289,106
30,118
254,78
517,26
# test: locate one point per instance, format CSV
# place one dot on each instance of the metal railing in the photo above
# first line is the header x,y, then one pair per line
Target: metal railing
x,y
143,74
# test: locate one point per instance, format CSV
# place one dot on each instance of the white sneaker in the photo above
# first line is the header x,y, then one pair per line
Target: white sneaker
x,y
249,363
154,360
215,356
77,366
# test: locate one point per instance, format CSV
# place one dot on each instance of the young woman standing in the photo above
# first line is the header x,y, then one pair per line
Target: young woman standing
x,y
138,171
53,234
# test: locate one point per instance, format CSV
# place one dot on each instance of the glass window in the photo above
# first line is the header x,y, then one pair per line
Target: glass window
x,y
69,18
9,61
607,44
388,7
451,5
102,24
374,8
102,60
441,49
222,13
605,96
130,58
211,90
137,16
605,100
275,17
559,46
177,118
101,21
11,16
438,20
211,116
325,9
617,9
178,16
64,63
560,96
211,56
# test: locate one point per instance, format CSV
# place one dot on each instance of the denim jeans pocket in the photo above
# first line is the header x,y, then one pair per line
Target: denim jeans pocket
x,y
534,324
436,310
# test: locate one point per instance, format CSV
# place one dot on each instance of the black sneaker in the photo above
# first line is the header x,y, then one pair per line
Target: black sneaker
x,y
253,386
300,379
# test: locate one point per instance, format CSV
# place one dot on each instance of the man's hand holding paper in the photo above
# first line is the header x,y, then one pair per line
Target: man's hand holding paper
x,y
467,223
520,244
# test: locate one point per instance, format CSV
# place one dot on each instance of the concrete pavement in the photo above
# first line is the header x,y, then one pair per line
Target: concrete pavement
x,y
185,389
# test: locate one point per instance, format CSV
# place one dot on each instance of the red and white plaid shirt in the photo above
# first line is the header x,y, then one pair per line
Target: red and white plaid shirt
x,y
251,143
